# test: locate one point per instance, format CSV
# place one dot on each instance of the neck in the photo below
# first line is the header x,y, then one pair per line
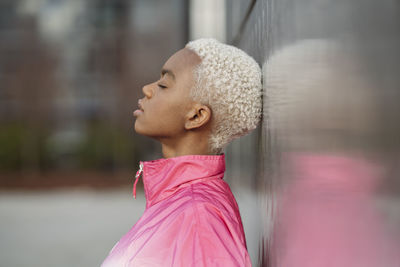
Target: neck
x,y
188,145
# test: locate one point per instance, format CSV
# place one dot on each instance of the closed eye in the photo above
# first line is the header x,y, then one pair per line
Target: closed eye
x,y
161,86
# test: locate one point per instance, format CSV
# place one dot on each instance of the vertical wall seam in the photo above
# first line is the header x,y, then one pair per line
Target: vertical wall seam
x,y
244,22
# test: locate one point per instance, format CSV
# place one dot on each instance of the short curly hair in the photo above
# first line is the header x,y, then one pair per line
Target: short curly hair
x,y
229,81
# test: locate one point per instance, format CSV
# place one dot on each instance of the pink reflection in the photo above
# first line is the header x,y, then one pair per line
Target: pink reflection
x,y
327,216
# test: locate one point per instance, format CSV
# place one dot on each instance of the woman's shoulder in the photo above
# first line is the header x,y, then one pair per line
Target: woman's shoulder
x,y
213,200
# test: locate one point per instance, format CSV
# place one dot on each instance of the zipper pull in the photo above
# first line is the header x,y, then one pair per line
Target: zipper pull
x,y
137,178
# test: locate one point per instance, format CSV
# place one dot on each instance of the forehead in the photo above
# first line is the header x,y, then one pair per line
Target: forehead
x,y
182,60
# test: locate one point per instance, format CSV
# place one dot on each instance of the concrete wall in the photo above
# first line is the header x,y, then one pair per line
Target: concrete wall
x,y
330,124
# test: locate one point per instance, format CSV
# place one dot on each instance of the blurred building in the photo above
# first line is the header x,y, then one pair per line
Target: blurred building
x,y
70,76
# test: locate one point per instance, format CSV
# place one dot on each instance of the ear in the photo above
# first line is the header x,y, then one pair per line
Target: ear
x,y
198,116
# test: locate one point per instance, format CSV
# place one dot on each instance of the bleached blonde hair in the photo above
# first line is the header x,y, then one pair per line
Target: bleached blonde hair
x,y
229,81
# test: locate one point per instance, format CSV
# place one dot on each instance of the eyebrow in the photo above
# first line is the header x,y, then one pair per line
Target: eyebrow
x,y
169,72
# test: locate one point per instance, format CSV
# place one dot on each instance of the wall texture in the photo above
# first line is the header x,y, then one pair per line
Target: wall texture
x,y
321,171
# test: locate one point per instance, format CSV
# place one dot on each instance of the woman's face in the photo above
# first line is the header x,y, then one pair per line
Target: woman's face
x,y
166,102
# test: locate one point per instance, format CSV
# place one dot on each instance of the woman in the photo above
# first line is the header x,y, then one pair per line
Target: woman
x,y
209,93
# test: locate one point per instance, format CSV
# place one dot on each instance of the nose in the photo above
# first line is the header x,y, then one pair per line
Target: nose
x,y
148,92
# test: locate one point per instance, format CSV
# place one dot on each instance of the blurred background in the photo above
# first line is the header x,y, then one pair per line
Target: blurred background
x,y
319,177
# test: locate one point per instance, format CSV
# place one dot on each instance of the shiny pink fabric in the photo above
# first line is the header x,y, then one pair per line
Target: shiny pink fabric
x,y
191,217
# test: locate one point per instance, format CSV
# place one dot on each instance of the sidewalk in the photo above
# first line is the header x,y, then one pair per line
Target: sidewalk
x,y
64,228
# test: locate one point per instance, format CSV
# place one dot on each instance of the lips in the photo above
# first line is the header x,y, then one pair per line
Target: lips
x,y
140,105
139,111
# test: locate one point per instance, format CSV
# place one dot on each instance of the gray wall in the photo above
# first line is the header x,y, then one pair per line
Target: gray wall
x,y
330,130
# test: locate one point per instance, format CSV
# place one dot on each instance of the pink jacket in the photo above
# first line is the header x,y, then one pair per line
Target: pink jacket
x,y
191,217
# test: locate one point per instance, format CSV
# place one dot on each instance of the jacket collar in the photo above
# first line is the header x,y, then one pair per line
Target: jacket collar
x,y
163,177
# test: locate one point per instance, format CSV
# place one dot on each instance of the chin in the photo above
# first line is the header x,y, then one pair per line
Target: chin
x,y
138,129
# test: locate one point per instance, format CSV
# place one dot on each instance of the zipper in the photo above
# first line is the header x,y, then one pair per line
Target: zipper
x,y
140,171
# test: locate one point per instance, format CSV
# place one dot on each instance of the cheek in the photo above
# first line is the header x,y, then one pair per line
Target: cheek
x,y
168,107
160,118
